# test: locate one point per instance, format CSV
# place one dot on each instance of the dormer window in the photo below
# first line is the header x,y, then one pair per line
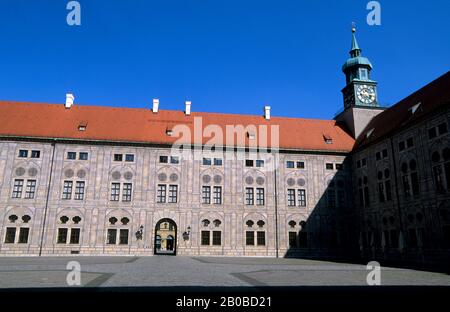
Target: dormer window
x,y
414,108
82,126
251,135
327,139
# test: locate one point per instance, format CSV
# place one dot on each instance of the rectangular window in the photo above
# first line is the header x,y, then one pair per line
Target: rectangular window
x,y
249,238
31,189
401,146
205,238
432,133
217,238
378,156
339,166
381,196
35,154
260,196
127,190
406,187
249,196
17,188
23,235
358,164
112,237
123,237
62,236
206,161
217,195
173,193
387,187
129,157
23,153
74,236
259,163
438,178
67,190
161,195
79,190
292,239
291,197
303,239
174,160
412,238
385,153
361,197
290,164
364,162
83,156
409,142
217,161
442,128
249,163
329,166
300,165
415,183
10,237
340,198
447,173
71,155
115,191
206,194
261,238
118,157
394,238
302,198
163,159
366,196
331,197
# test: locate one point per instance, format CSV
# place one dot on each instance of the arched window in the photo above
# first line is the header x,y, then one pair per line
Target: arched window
x,y
410,178
69,232
18,232
118,233
211,237
255,236
384,186
441,170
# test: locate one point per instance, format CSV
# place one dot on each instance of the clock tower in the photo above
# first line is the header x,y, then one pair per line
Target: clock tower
x,y
360,93
360,90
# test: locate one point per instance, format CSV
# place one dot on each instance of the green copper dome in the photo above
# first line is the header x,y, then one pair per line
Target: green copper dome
x,y
355,56
356,61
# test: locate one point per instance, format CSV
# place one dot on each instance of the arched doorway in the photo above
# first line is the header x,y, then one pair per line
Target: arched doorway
x,y
166,237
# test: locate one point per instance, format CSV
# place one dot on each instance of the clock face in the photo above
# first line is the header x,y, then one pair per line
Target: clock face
x,y
366,94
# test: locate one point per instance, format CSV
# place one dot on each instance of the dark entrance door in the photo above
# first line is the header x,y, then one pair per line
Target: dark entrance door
x,y
166,237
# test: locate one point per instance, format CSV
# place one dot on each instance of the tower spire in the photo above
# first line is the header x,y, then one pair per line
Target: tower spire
x,y
355,51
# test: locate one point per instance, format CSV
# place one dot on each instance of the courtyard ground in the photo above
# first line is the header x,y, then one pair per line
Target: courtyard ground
x,y
38,272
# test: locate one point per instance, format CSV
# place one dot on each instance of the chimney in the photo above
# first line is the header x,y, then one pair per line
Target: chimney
x,y
69,100
155,106
267,112
187,111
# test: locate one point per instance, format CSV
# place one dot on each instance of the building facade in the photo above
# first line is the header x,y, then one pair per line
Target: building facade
x,y
88,180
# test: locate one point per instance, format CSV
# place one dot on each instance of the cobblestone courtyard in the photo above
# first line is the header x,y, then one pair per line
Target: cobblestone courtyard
x,y
202,271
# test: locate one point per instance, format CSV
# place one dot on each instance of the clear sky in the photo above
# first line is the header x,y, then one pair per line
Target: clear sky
x,y
230,56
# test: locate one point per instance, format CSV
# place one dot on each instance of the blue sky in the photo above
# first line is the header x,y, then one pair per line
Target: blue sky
x,y
225,56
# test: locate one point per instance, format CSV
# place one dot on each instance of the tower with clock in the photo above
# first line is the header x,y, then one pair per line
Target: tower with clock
x,y
360,90
360,93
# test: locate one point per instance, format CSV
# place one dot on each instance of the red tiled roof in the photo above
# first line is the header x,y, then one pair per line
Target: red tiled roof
x,y
134,125
431,98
